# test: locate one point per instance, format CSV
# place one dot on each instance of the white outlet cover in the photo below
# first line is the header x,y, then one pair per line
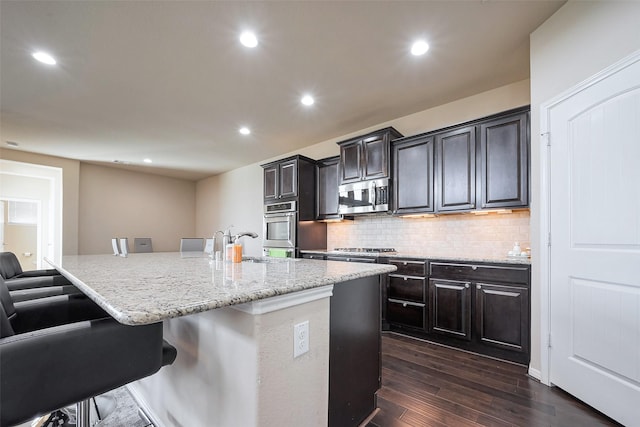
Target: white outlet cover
x,y
301,338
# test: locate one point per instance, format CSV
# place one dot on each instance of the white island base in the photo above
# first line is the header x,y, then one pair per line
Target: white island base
x,y
235,366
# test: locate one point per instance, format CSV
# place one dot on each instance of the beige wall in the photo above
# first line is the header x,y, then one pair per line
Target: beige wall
x,y
120,203
70,193
578,41
236,197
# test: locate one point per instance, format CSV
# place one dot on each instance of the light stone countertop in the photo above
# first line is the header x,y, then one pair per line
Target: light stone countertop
x,y
147,288
431,257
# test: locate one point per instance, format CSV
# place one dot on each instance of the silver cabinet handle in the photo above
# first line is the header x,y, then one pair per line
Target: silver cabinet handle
x,y
405,278
478,286
474,267
404,263
404,304
466,285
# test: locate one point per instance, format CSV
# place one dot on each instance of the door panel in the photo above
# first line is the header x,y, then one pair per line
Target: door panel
x,y
595,244
450,307
456,169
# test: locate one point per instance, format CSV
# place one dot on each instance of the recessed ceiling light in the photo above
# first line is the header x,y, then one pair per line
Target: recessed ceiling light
x,y
244,130
44,57
148,161
248,39
307,100
419,47
11,143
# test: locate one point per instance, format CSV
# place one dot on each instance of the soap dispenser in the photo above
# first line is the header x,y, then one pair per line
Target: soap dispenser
x,y
237,250
227,244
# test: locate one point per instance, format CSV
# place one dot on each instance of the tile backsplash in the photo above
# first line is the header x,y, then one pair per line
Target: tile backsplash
x,y
453,235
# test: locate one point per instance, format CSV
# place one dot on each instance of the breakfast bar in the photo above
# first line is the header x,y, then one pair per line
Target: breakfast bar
x,y
233,325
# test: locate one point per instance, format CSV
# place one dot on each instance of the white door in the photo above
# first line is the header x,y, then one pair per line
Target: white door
x,y
2,226
595,243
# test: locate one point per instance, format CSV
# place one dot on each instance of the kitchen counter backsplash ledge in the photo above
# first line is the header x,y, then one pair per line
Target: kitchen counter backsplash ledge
x,y
430,256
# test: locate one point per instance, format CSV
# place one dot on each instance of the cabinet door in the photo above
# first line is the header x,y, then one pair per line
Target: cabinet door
x,y
413,176
328,189
288,179
504,162
350,155
502,316
376,157
450,306
270,181
456,169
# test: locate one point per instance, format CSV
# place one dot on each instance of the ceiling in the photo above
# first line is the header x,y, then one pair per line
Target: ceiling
x,y
169,80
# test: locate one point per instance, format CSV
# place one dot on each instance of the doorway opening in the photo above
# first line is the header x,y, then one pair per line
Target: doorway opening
x,y
31,198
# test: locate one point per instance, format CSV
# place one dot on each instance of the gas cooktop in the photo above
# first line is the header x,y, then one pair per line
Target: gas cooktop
x,y
367,250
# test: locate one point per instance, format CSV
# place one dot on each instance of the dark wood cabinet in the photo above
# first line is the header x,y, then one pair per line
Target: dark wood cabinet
x,y
406,295
481,307
354,351
307,255
366,157
292,178
450,306
280,180
504,162
456,170
328,188
483,164
502,316
413,175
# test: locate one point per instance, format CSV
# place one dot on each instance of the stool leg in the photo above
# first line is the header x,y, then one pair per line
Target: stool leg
x,y
83,410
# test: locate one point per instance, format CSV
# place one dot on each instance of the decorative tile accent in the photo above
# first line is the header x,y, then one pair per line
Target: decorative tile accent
x,y
453,235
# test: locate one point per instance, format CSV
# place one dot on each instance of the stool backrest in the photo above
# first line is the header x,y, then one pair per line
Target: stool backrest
x,y
9,265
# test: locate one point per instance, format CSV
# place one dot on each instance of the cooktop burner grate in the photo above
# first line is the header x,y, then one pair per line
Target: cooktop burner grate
x,y
373,250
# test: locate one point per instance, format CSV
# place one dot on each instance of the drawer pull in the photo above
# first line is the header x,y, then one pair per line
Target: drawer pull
x,y
404,304
478,286
404,263
474,267
466,285
405,278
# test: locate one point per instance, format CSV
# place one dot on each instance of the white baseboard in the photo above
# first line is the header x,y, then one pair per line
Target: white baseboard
x,y
535,373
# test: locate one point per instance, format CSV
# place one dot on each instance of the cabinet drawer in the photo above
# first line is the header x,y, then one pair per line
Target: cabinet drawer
x,y
410,267
313,256
406,288
479,272
406,313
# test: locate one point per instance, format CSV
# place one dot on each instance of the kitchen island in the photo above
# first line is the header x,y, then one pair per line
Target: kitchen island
x,y
233,327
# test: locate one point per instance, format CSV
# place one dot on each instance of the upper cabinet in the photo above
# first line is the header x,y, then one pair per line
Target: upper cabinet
x,y
504,162
328,188
456,170
280,180
366,157
413,175
482,164
292,178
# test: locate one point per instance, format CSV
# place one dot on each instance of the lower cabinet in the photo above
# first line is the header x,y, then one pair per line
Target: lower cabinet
x,y
406,295
450,303
480,307
502,316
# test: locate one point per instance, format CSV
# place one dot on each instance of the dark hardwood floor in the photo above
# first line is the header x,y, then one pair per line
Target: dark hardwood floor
x,y
425,384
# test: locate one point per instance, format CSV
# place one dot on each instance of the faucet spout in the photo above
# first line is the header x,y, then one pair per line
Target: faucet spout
x,y
245,233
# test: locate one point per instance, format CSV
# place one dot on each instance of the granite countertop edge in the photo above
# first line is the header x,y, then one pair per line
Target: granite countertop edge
x,y
149,313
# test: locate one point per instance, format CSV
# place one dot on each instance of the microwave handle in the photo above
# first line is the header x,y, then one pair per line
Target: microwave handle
x,y
372,194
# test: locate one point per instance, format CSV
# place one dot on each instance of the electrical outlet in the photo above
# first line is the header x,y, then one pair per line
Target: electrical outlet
x,y
301,338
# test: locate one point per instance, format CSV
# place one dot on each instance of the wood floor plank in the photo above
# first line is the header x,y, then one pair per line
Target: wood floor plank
x,y
425,384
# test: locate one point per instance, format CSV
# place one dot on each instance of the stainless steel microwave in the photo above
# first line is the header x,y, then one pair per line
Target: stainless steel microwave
x,y
364,197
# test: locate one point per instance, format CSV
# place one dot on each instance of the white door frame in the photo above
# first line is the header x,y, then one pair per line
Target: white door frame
x,y
545,206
